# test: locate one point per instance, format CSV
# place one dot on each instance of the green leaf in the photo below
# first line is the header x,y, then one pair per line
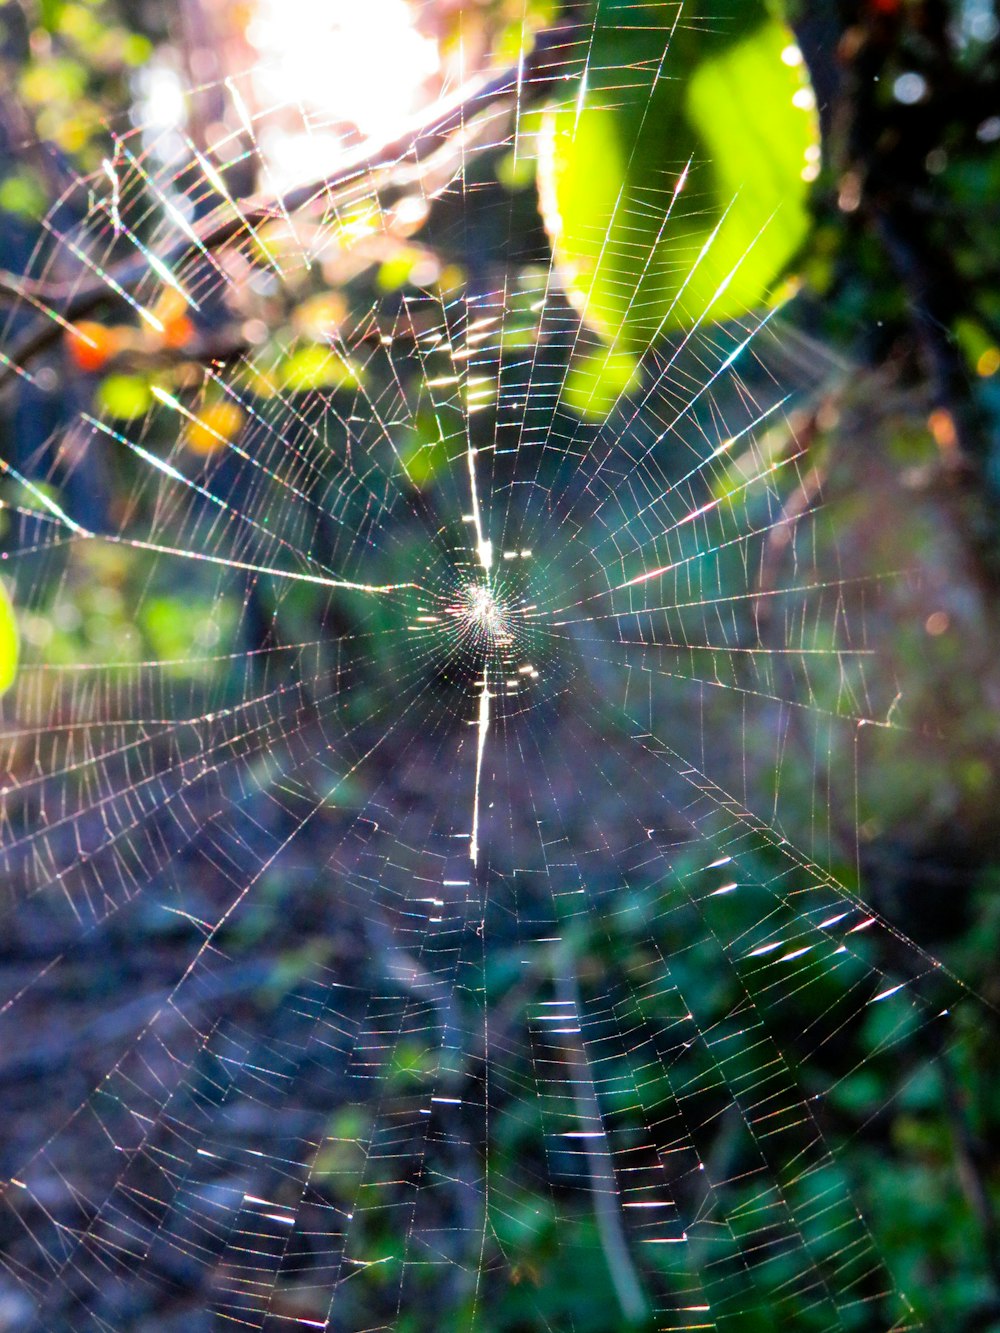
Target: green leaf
x,y
675,186
8,642
426,452
317,367
596,378
22,194
124,396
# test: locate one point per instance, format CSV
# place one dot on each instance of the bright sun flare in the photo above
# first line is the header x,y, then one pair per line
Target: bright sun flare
x,y
342,62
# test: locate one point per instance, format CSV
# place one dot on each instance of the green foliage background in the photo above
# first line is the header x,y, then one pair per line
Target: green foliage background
x,y
885,257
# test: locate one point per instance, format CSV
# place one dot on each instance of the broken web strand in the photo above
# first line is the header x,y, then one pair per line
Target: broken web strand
x,y
430,977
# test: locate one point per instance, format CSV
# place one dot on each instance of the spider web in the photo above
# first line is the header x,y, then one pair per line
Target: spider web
x,y
469,862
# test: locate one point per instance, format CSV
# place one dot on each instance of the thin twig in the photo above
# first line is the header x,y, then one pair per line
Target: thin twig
x,y
600,1166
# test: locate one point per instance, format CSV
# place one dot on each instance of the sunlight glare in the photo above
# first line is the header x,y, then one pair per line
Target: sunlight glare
x,y
342,63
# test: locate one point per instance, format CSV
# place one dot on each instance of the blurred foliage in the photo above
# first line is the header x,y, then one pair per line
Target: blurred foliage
x,y
894,248
8,642
70,64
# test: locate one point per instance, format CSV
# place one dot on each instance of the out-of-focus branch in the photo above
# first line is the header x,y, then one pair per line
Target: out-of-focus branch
x,y
600,1165
888,151
388,169
884,146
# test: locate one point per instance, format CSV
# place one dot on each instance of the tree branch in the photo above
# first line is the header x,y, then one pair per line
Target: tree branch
x,y
402,163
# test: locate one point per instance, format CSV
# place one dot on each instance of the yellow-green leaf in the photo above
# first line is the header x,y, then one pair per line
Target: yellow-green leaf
x,y
317,367
124,396
674,186
8,641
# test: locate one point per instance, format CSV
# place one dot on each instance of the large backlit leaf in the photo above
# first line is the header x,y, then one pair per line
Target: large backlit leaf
x,y
674,185
8,642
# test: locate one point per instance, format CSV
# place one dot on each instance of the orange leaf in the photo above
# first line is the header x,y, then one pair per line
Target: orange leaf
x,y
92,345
214,426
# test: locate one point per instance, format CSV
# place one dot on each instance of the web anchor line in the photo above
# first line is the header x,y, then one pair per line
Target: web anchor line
x,y
158,548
